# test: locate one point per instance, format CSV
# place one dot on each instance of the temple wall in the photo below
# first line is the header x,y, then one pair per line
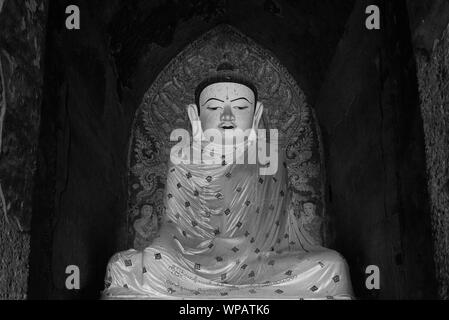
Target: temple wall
x,y
431,41
83,147
22,33
373,136
433,84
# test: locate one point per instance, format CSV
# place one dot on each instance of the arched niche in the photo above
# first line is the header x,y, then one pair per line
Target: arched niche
x,y
163,109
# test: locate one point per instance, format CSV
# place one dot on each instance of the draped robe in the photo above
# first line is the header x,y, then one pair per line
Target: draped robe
x,y
229,233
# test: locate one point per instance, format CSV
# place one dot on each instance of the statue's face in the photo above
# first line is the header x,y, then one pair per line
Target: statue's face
x,y
309,209
227,106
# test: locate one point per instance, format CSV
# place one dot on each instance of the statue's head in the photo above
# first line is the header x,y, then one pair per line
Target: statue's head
x,y
226,100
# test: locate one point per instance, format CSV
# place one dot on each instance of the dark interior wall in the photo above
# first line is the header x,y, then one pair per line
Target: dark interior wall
x,y
22,32
96,78
433,78
428,19
80,196
369,112
431,42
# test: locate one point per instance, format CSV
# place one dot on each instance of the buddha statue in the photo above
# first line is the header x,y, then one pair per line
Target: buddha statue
x,y
230,229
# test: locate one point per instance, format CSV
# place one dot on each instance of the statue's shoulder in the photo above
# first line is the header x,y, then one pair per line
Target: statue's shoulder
x,y
122,257
173,167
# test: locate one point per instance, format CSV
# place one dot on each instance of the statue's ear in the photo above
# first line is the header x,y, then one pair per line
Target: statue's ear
x,y
192,112
257,115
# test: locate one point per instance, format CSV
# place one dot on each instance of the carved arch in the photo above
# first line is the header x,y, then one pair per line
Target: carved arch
x,y
163,109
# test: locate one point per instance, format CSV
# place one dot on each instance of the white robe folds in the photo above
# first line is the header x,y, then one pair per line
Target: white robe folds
x,y
228,233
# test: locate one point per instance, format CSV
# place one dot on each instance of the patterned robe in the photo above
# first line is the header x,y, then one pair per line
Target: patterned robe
x,y
228,233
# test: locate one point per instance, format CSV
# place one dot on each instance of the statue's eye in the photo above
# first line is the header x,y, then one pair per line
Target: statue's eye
x,y
212,108
242,107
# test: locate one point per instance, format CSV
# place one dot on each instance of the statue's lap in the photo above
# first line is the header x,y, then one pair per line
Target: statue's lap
x,y
292,276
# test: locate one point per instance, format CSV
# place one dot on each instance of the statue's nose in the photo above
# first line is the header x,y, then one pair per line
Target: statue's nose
x,y
227,114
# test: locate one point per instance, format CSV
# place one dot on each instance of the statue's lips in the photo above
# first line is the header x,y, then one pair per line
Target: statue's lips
x,y
227,126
